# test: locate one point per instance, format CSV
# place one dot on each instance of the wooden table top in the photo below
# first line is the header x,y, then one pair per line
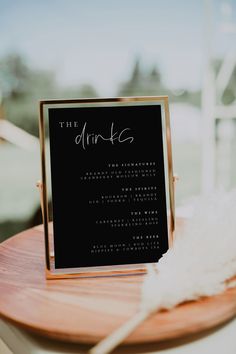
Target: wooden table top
x,y
88,309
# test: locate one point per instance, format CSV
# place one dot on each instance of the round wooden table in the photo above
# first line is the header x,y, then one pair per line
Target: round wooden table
x,y
86,310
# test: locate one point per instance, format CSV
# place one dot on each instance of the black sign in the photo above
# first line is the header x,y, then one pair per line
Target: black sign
x,y
108,185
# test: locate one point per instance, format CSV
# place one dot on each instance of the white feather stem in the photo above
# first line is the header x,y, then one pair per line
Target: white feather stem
x,y
118,336
109,343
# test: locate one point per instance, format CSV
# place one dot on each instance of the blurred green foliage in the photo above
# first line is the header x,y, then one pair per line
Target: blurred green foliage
x,y
22,87
149,82
229,94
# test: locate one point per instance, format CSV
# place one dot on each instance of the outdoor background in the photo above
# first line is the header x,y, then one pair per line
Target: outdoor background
x,y
185,49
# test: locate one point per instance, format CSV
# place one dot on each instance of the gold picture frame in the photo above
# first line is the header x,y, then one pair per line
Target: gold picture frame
x,y
44,105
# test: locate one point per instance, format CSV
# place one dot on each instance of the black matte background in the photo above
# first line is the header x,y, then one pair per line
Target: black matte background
x,y
74,219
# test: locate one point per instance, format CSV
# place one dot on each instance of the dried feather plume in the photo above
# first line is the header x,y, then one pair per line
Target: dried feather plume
x,y
200,263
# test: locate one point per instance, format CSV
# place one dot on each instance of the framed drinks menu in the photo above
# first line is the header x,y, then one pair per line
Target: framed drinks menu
x,y
107,167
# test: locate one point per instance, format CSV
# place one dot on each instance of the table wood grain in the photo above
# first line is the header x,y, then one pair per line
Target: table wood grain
x,y
88,309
